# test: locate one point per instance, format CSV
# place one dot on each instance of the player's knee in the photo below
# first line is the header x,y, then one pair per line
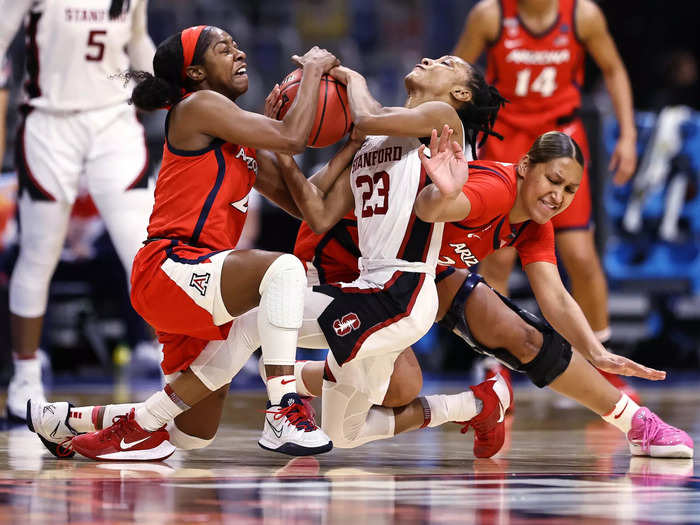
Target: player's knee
x,y
185,441
282,292
551,361
529,343
401,393
406,381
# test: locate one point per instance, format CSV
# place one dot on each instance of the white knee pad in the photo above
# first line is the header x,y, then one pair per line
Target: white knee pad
x,y
185,441
282,292
220,361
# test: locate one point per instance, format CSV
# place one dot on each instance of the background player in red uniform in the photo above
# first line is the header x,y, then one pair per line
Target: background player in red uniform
x,y
188,282
535,52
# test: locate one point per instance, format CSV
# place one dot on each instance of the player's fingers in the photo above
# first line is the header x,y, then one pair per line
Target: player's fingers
x,y
421,152
445,138
632,368
614,161
433,142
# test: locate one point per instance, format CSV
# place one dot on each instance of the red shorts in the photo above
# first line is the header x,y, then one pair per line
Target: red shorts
x,y
517,142
176,289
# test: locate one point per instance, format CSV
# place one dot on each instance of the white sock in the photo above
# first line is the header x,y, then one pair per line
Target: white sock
x,y
112,411
622,413
301,386
159,409
277,386
457,407
83,419
29,369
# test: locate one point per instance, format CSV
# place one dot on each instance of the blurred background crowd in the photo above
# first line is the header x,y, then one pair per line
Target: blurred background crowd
x,y
647,231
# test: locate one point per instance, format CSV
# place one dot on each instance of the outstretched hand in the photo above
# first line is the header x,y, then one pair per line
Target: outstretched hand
x,y
447,166
617,364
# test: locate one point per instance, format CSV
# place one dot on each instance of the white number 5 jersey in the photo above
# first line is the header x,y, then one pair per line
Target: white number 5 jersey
x,y
74,50
386,176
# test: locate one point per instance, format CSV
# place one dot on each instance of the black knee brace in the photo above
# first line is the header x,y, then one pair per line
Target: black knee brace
x,y
552,359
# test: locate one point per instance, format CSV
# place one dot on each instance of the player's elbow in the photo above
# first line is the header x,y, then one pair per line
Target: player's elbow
x,y
424,211
318,225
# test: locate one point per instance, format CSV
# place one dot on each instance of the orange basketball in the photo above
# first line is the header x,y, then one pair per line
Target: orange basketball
x,y
333,118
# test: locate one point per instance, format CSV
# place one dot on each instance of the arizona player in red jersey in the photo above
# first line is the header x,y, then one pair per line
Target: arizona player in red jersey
x,y
535,53
187,281
502,205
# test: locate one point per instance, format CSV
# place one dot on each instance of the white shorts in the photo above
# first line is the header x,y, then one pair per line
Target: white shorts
x,y
105,145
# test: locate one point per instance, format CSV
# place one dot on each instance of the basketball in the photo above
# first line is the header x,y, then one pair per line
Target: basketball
x,y
333,118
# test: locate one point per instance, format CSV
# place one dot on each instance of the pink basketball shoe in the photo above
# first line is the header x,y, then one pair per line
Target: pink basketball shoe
x,y
650,436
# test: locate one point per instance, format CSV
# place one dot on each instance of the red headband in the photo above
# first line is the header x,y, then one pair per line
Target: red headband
x,y
189,38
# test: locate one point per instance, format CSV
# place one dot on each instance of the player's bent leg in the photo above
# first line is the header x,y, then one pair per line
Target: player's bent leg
x,y
497,267
523,342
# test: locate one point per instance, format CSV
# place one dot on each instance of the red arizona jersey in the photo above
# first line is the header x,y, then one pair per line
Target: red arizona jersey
x,y
540,74
491,190
201,197
334,254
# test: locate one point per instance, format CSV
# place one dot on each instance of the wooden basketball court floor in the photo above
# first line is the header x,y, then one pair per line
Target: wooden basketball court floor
x,y
559,465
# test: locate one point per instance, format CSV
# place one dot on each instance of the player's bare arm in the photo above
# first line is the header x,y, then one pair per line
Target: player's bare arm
x,y
480,29
322,209
564,314
218,116
371,118
593,31
443,200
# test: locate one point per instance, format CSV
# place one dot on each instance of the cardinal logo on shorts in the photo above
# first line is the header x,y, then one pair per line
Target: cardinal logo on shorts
x,y
200,282
346,324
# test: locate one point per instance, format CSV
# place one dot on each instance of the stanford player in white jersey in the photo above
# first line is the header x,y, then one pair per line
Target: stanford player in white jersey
x,y
369,322
76,121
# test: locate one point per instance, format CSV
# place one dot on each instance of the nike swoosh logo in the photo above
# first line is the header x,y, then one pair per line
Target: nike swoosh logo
x,y
53,434
287,381
274,429
124,445
621,411
510,44
503,413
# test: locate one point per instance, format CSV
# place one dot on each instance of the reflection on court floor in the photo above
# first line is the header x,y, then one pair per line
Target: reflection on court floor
x,y
557,466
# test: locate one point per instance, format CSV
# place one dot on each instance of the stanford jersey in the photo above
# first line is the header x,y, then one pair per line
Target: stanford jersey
x,y
201,197
74,50
541,74
491,190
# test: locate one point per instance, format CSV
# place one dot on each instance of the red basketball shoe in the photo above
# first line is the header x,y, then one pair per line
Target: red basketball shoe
x,y
489,424
125,440
494,368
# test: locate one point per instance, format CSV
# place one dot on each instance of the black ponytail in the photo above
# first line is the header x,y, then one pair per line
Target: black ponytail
x,y
479,114
166,87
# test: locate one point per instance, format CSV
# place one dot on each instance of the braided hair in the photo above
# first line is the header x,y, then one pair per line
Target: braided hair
x,y
167,86
479,114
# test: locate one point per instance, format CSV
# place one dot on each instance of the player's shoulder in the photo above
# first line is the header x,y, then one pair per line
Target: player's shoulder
x,y
486,16
588,17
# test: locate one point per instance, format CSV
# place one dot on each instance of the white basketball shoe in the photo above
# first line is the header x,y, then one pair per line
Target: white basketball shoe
x,y
289,429
50,422
24,385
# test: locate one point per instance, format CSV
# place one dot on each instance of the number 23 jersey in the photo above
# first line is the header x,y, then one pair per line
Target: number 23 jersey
x,y
386,175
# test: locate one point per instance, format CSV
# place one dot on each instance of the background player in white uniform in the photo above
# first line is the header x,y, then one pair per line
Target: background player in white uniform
x,y
77,123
